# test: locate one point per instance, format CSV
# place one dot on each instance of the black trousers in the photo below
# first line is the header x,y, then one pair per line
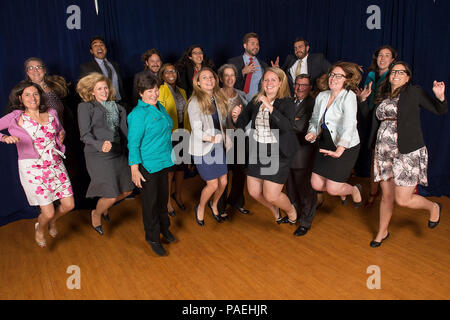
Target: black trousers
x,y
302,195
236,196
155,195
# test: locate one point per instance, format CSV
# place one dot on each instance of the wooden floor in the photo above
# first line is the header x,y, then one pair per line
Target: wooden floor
x,y
249,257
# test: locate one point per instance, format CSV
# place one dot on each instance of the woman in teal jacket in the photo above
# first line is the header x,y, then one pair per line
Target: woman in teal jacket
x,y
150,147
382,59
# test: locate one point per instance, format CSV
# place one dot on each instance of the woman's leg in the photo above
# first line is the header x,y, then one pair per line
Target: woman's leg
x,y
47,214
343,189
67,204
318,182
207,192
386,208
103,204
405,197
272,193
222,184
255,189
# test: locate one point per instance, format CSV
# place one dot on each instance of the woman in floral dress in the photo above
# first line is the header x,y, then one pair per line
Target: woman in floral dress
x,y
401,157
38,135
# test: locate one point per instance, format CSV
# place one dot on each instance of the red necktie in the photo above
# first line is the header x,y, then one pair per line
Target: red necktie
x,y
248,79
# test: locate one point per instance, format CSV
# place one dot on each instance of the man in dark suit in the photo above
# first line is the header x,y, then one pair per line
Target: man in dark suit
x,y
314,64
249,68
101,65
298,187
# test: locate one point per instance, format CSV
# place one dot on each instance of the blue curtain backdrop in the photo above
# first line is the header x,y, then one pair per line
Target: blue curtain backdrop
x,y
419,29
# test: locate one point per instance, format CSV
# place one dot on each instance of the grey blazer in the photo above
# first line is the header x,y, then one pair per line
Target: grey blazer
x,y
202,127
93,128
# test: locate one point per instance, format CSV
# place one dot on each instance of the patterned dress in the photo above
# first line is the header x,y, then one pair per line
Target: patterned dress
x,y
44,179
407,169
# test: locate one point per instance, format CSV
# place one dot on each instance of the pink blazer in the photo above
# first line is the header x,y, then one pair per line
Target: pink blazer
x,y
25,148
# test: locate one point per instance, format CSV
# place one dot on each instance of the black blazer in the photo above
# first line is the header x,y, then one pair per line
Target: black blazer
x,y
305,155
282,118
238,62
94,130
317,65
408,117
92,66
186,73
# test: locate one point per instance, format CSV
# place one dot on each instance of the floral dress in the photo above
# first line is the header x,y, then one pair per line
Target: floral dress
x,y
44,179
407,169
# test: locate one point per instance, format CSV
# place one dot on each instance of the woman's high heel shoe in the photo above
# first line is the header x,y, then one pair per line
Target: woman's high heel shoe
x,y
53,232
358,204
215,216
281,219
200,222
432,224
99,228
41,243
376,244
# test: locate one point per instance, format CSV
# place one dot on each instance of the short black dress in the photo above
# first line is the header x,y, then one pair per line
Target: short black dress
x,y
335,169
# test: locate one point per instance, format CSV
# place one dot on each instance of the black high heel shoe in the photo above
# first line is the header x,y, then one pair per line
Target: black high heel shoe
x,y
358,204
99,228
217,217
200,222
376,244
432,224
281,219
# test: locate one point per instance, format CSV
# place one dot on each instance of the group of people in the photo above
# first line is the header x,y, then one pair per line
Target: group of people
x,y
309,143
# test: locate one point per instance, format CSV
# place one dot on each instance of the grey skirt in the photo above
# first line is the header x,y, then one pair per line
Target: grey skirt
x,y
109,172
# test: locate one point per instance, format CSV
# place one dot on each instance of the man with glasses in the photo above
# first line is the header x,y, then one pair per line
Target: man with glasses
x,y
298,186
102,65
314,64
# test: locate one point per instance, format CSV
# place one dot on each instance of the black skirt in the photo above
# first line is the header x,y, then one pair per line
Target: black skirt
x,y
269,165
335,169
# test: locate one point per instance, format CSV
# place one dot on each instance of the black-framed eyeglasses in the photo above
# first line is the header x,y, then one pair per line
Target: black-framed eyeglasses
x,y
302,85
338,76
399,72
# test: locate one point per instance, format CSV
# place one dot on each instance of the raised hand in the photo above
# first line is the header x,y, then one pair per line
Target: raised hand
x,y
364,94
106,146
10,139
235,112
439,90
249,68
276,63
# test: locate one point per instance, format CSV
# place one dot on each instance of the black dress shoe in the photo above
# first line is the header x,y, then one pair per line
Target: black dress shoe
x,y
200,222
301,231
180,205
157,248
358,204
107,217
168,236
215,216
242,210
99,229
375,244
432,224
171,213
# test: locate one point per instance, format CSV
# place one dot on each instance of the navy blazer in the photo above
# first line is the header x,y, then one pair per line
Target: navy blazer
x,y
409,129
317,65
282,118
238,62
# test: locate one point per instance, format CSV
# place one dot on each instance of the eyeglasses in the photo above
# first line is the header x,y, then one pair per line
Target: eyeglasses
x,y
338,76
170,71
197,52
301,85
399,72
30,68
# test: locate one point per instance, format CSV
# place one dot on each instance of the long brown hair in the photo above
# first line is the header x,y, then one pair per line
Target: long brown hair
x,y
283,92
352,75
16,93
204,100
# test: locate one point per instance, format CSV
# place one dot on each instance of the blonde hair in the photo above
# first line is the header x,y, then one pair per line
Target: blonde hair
x,y
283,92
86,85
204,100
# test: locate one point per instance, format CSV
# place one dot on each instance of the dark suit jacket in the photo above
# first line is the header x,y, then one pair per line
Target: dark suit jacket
x,y
238,62
317,65
186,73
305,155
282,118
408,117
92,66
94,130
